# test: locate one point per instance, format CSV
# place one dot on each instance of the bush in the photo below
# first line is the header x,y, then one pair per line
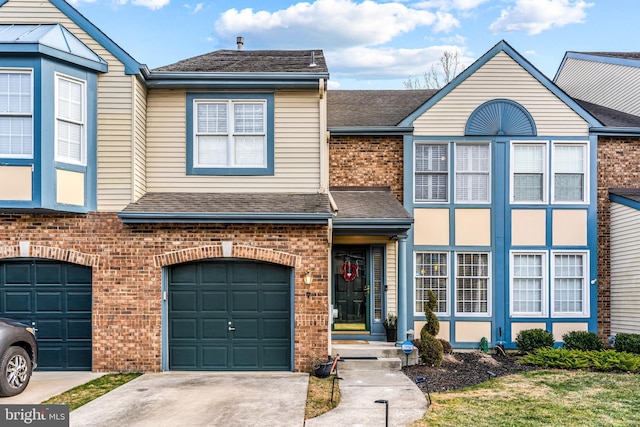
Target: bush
x,y
627,342
532,339
581,340
606,360
432,326
431,351
446,346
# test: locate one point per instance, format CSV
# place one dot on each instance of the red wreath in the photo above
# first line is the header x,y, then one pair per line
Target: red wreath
x,y
349,271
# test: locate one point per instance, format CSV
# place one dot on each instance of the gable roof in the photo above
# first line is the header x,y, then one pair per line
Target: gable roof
x,y
503,46
364,108
252,61
49,39
131,65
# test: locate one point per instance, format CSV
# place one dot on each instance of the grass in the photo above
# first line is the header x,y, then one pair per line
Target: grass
x,y
319,396
85,393
549,398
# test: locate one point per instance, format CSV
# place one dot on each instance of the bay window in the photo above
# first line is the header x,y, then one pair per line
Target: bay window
x,y
70,121
16,114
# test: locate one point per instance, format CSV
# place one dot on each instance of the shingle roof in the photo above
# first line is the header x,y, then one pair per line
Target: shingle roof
x,y
627,193
231,203
361,108
367,203
622,55
610,117
252,61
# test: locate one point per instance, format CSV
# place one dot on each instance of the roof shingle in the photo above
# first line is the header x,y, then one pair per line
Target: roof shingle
x,y
610,117
367,203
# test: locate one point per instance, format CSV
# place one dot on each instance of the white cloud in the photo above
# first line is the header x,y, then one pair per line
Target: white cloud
x,y
536,16
445,23
325,23
75,2
151,4
198,7
450,4
530,53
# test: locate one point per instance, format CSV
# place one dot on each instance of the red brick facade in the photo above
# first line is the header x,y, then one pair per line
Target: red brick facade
x,y
367,161
127,264
618,167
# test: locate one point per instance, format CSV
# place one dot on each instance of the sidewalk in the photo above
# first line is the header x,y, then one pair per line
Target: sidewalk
x,y
360,390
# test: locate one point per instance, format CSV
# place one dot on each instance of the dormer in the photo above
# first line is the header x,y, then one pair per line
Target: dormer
x,y
48,116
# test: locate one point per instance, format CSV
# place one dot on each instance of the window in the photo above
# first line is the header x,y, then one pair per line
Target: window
x,y
70,121
432,275
528,168
472,173
472,283
16,114
528,285
431,172
569,165
569,284
230,134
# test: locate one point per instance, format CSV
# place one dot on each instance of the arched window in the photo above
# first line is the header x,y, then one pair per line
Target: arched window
x,y
500,117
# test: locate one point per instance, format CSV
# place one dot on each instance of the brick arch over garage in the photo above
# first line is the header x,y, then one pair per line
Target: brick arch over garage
x,y
227,250
27,250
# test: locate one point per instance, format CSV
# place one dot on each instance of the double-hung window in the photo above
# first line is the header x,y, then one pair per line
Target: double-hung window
x,y
432,274
70,120
230,133
472,172
16,114
528,287
472,283
528,162
569,284
569,166
431,172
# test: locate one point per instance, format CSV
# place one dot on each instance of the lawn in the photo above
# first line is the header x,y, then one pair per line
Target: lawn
x,y
85,393
541,398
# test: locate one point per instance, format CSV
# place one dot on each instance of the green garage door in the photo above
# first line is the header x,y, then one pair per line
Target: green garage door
x,y
229,316
57,297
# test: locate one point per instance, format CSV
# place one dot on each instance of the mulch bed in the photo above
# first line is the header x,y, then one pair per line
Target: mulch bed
x,y
461,370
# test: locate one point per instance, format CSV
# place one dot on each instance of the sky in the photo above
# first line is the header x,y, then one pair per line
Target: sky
x,y
369,44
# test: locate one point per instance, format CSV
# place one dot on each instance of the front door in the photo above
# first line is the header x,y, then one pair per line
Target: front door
x,y
351,288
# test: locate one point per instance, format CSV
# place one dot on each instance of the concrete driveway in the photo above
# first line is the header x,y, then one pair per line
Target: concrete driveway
x,y
200,399
44,385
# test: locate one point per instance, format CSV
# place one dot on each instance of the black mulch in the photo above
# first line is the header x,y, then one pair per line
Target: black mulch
x,y
461,370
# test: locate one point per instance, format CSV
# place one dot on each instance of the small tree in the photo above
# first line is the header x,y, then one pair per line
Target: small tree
x,y
431,350
450,67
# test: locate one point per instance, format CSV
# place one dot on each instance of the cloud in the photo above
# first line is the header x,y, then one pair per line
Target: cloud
x,y
75,2
450,4
151,4
536,16
198,7
445,22
327,23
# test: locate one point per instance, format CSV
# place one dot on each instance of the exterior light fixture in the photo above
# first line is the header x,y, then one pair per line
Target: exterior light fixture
x,y
308,279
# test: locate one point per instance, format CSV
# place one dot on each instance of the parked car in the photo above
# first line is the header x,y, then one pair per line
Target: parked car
x,y
18,356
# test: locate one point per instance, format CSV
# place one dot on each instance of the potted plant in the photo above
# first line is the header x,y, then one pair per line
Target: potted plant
x,y
322,366
391,326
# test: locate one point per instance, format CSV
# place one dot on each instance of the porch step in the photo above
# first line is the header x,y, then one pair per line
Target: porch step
x,y
371,355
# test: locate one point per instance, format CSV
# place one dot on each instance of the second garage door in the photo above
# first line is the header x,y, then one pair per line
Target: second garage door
x,y
229,316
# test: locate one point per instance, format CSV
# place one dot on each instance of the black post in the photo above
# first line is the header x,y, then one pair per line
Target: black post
x,y
386,411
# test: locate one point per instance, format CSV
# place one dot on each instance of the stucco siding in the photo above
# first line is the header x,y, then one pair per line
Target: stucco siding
x,y
114,104
500,77
610,85
625,269
296,147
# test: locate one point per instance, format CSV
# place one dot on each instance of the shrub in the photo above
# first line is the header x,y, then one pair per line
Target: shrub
x,y
431,351
582,340
446,346
606,360
532,339
433,324
627,342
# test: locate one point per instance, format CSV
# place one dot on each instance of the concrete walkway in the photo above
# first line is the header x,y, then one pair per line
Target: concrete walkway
x,y
360,389
44,385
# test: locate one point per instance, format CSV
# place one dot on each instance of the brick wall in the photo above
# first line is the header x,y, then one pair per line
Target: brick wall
x,y
618,167
367,161
127,266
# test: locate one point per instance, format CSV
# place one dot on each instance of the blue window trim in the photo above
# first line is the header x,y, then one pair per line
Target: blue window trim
x,y
230,171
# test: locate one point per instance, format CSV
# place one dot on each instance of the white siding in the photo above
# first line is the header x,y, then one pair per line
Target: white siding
x,y
625,269
610,85
500,77
140,137
114,104
296,147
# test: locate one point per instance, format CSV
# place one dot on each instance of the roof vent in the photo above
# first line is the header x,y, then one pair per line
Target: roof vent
x,y
240,42
313,60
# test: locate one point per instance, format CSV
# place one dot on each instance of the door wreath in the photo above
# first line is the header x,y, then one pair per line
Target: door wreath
x,y
349,271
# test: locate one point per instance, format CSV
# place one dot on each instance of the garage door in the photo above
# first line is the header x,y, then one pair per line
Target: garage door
x,y
229,316
57,297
